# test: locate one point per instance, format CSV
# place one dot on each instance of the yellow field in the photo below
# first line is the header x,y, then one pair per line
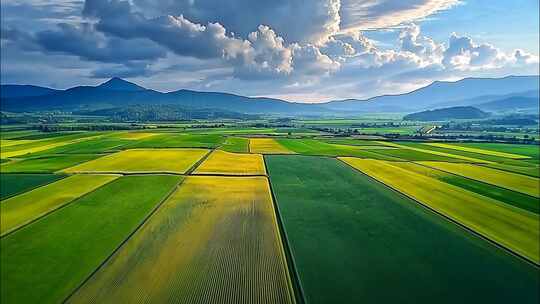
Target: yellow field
x,y
22,151
471,159
221,162
24,208
143,160
267,146
13,142
513,181
205,244
509,226
479,151
135,135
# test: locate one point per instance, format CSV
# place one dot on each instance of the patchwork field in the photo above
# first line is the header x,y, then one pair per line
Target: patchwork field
x,y
235,144
479,151
508,226
520,200
179,140
29,206
73,241
221,162
206,244
11,184
143,160
437,153
46,163
517,182
267,146
352,239
45,144
533,151
319,148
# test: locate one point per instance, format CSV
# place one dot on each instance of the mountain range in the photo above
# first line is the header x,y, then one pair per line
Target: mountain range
x,y
511,93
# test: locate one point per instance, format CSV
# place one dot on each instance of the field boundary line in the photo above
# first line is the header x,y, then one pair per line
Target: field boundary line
x,y
126,239
54,210
291,265
199,162
35,187
448,218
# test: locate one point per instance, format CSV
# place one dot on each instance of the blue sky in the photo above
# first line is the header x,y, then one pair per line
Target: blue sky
x,y
305,51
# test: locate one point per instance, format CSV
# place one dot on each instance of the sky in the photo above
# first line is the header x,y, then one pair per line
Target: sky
x,y
298,50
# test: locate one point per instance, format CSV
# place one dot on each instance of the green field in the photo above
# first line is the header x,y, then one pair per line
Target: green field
x,y
12,184
479,150
236,144
178,140
435,151
44,262
353,240
530,170
206,244
17,211
319,148
511,227
532,151
46,144
46,163
98,145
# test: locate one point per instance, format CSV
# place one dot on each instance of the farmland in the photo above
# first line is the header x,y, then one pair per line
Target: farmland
x,y
220,162
224,246
238,213
363,237
76,239
143,160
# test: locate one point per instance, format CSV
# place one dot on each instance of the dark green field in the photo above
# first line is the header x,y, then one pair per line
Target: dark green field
x,y
355,241
47,163
175,140
11,184
75,240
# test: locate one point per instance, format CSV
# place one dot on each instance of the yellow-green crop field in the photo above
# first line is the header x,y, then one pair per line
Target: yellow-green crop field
x,y
38,146
143,160
517,182
24,208
135,135
511,227
221,162
465,158
206,244
267,146
479,151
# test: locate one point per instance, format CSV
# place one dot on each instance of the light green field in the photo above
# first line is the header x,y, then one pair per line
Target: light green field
x,y
532,151
143,160
221,162
46,144
517,182
205,244
511,227
179,140
479,151
235,144
45,261
531,170
267,146
22,209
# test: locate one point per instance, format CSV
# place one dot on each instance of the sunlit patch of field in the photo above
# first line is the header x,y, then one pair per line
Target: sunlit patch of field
x,y
506,225
215,240
267,146
143,160
24,208
221,162
517,182
444,154
479,151
135,135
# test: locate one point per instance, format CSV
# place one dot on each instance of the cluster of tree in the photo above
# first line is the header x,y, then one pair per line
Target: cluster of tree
x,y
145,113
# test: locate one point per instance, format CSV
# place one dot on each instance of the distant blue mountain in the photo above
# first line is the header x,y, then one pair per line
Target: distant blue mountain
x,y
17,91
437,93
119,93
